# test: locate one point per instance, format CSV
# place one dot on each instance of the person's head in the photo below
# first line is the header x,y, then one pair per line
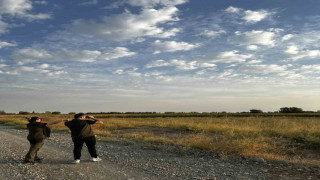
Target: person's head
x,y
80,116
34,119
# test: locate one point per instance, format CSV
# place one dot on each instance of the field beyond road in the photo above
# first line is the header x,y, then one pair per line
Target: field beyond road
x,y
289,138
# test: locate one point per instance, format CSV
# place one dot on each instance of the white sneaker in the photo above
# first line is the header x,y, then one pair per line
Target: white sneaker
x,y
77,161
96,159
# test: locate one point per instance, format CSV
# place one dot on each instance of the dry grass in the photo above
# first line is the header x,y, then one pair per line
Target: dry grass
x,y
294,139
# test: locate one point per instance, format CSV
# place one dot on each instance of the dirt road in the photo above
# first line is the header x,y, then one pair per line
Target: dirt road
x,y
131,160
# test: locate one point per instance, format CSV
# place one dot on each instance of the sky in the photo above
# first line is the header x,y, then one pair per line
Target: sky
x,y
159,55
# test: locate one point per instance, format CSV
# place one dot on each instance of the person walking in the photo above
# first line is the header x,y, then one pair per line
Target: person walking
x,y
38,131
81,132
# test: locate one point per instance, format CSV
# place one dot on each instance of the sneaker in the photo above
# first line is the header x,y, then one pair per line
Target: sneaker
x,y
38,159
96,159
28,162
77,161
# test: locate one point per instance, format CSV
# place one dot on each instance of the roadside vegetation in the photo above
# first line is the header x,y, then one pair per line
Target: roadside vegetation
x,y
295,139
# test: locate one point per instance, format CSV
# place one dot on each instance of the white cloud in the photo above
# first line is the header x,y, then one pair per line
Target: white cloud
x,y
296,54
267,69
180,64
20,8
250,16
3,65
254,62
40,2
3,27
6,44
207,65
128,26
44,66
32,55
255,37
154,73
315,67
27,69
231,57
292,50
209,33
157,63
148,3
115,53
256,16
232,9
172,46
287,37
28,55
252,47
183,65
91,2
41,69
118,71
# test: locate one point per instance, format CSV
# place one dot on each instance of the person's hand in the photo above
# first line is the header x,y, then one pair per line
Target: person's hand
x,y
90,117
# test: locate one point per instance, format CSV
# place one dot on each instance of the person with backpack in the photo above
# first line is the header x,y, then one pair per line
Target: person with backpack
x,y
38,131
81,132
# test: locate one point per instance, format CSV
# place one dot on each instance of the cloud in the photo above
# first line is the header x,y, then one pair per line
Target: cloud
x,y
232,9
91,2
148,3
252,47
267,69
255,37
3,27
40,69
6,44
28,55
127,26
231,57
254,61
255,16
287,37
249,16
209,33
115,53
180,64
172,46
157,63
20,9
40,2
297,54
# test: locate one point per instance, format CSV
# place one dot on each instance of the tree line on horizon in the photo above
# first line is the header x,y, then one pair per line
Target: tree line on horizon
x,y
255,111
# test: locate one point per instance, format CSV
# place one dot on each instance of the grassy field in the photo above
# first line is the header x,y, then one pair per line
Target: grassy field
x,y
290,138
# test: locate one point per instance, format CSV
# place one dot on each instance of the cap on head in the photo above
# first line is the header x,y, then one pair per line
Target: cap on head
x,y
79,115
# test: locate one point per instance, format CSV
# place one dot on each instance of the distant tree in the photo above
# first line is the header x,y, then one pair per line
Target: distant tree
x,y
56,112
47,112
33,112
72,112
23,112
290,110
256,111
2,112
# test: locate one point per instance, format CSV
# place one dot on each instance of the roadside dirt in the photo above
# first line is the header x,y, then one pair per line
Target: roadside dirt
x,y
132,160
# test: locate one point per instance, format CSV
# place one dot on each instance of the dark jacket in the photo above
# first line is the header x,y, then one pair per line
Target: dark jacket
x,y
80,128
37,131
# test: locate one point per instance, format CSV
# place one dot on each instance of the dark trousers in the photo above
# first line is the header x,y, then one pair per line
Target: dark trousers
x,y
78,143
34,148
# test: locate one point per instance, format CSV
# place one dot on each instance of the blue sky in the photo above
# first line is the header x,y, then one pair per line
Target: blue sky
x,y
159,55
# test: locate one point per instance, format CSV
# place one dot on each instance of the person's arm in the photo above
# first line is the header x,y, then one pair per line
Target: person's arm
x,y
95,121
54,122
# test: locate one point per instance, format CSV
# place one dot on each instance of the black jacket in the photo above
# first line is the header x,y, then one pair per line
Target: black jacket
x,y
80,128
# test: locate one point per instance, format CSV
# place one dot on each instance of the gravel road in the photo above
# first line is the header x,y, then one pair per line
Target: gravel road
x,y
132,160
